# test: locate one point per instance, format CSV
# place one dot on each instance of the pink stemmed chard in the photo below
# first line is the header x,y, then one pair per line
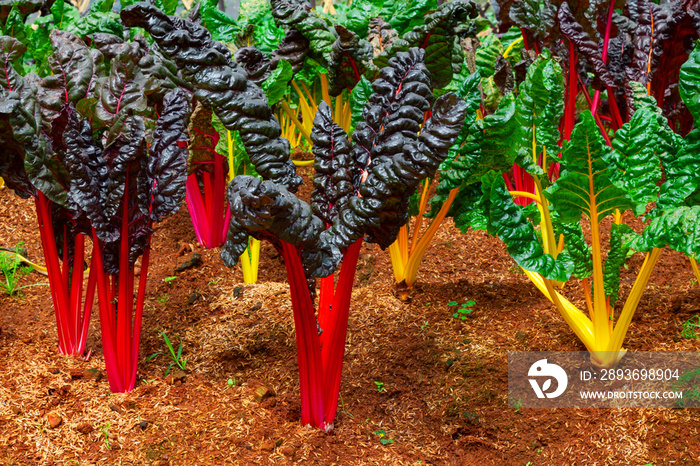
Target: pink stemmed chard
x,y
361,188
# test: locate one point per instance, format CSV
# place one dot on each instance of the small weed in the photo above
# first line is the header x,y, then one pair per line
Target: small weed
x,y
12,270
463,310
175,356
146,382
169,280
163,299
232,382
690,327
517,403
425,324
383,438
214,281
380,386
105,432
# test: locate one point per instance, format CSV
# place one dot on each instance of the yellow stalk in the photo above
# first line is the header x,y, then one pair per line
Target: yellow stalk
x,y
550,245
231,173
560,246
305,132
418,250
632,301
324,89
579,323
510,47
696,271
2,183
419,218
398,251
617,217
250,260
532,196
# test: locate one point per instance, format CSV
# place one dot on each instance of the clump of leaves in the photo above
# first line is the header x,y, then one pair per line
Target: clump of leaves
x,y
463,310
383,439
690,327
13,271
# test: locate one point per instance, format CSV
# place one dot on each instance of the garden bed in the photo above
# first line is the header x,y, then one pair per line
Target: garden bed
x,y
419,386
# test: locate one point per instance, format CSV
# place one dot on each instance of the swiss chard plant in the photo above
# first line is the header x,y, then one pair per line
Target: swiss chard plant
x,y
102,142
599,182
360,187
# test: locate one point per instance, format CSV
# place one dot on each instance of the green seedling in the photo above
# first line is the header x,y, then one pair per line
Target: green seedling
x,y
169,280
380,386
13,270
105,432
383,438
463,310
163,299
690,327
425,324
232,382
175,356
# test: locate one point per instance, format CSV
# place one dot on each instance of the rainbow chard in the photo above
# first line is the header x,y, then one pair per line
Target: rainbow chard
x,y
124,188
360,187
35,113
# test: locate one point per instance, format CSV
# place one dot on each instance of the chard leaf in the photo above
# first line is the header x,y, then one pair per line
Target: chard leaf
x,y
506,220
222,26
163,179
681,172
221,86
263,206
585,185
537,16
437,36
256,64
617,256
276,85
168,6
689,83
333,165
678,228
638,164
75,71
540,107
572,30
404,15
577,248
293,48
299,15
358,98
124,91
348,60
380,34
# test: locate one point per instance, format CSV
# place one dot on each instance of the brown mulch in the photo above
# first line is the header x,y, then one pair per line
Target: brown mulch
x,y
445,380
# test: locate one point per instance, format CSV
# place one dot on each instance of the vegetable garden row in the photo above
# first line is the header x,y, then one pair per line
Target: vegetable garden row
x,y
541,123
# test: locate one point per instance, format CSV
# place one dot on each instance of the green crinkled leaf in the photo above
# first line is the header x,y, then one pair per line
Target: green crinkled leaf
x,y
64,14
267,35
222,26
275,86
486,55
638,165
168,6
585,185
678,228
230,142
689,83
540,107
506,220
617,256
356,17
358,98
578,249
404,15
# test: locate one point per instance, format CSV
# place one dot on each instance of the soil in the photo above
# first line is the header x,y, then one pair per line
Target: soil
x,y
435,385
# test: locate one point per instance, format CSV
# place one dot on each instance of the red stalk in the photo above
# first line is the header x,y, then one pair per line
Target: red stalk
x,y
333,337
209,211
72,321
570,108
308,347
121,324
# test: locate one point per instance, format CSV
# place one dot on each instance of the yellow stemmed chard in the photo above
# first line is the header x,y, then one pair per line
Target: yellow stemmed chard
x,y
598,186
